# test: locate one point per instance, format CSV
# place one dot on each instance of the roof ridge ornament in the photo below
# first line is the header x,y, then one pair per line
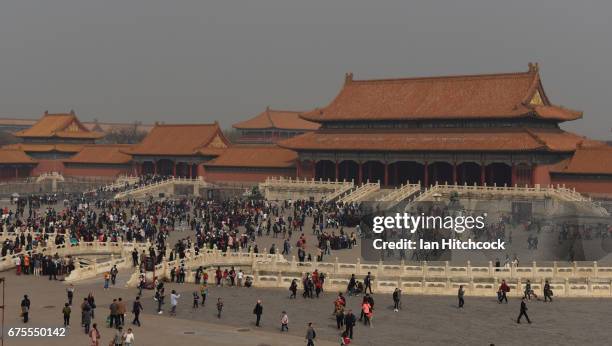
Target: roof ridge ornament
x,y
534,67
348,77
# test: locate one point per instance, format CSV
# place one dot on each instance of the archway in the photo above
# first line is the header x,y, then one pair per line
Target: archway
x,y
402,172
499,174
348,170
440,172
165,167
325,170
373,171
468,173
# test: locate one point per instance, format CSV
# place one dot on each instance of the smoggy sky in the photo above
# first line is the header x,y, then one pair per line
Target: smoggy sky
x,y
226,60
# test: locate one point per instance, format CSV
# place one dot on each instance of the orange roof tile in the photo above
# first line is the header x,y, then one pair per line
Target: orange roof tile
x,y
102,153
9,156
506,95
59,125
589,160
183,139
277,119
254,156
43,147
517,139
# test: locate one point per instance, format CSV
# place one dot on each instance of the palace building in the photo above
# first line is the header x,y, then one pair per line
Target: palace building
x,y
178,150
271,126
474,129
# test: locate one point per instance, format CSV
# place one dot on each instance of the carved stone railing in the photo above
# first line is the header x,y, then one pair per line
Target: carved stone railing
x,y
360,192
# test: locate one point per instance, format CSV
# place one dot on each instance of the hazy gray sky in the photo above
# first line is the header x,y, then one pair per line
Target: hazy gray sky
x,y
198,60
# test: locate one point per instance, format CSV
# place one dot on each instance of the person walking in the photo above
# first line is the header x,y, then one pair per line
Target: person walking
x,y
25,308
219,307
128,338
204,292
548,293
258,311
121,311
173,302
502,291
136,309
397,296
114,317
527,293
196,300
367,282
523,311
460,294
106,280
118,338
310,335
94,335
86,315
284,322
70,294
113,272
349,322
66,313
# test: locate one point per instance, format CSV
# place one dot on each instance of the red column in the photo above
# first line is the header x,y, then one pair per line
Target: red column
x,y
533,175
154,167
397,182
360,174
174,169
455,172
194,170
513,178
386,174
337,171
298,168
482,173
426,173
16,172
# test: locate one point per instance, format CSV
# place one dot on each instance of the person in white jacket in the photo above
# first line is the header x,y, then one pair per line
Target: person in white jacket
x,y
173,302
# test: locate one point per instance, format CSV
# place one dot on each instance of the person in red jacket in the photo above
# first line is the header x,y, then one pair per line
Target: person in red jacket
x,y
501,293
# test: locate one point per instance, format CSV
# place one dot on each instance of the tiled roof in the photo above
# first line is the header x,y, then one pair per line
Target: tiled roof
x,y
462,139
589,160
277,119
59,125
254,156
102,153
183,139
42,147
10,156
506,95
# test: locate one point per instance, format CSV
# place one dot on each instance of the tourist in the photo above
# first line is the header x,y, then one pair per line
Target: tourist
x,y
66,313
240,277
310,334
527,293
548,293
204,292
196,300
367,281
92,304
397,296
284,322
258,311
25,308
70,293
339,312
460,295
173,302
94,335
344,339
349,322
114,315
159,297
293,289
502,291
85,315
523,311
106,280
128,338
121,311
118,338
219,307
136,310
113,273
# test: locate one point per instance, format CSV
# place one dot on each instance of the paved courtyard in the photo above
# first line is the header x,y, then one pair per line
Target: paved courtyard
x,y
423,320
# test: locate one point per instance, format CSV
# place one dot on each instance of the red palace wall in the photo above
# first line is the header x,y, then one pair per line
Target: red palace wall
x,y
601,186
84,171
46,166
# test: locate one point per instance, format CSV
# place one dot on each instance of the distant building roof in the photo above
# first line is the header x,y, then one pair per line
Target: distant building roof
x,y
592,158
495,96
180,140
277,119
11,156
254,156
65,125
102,153
43,147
